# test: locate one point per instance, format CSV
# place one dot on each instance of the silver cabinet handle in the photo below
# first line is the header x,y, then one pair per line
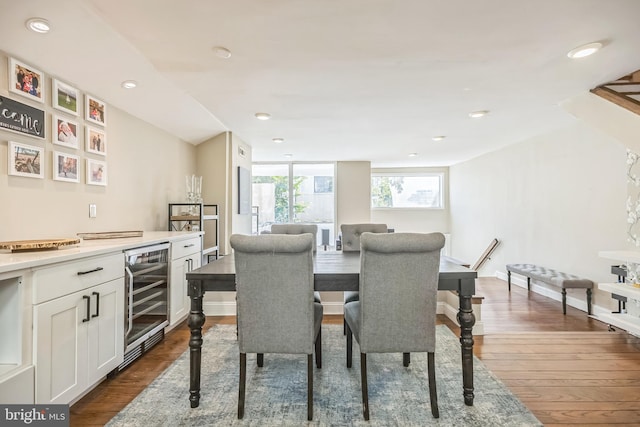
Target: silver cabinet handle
x,y
130,314
189,246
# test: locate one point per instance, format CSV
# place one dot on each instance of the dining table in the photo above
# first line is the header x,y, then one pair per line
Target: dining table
x,y
333,271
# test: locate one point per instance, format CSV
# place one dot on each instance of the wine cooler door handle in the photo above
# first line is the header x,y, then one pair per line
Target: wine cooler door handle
x,y
87,298
130,305
97,294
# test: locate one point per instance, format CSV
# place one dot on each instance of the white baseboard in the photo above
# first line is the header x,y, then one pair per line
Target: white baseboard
x,y
452,313
228,308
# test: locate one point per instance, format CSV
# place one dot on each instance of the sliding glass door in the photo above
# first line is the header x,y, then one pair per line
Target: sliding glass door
x,y
295,193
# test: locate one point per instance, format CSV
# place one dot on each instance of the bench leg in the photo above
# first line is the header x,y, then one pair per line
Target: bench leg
x,y
564,301
589,301
528,283
509,280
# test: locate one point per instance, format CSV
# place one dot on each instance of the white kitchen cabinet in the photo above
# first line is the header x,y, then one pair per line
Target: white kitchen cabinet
x,y
185,256
79,336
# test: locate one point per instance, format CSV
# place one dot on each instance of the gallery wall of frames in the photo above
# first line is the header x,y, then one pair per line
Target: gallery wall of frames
x,y
78,127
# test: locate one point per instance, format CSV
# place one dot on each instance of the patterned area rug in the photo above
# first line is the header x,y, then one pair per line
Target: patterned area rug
x,y
277,393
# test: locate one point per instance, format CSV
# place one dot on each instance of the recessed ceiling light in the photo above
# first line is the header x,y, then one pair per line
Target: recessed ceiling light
x,y
288,156
278,140
438,138
263,116
585,50
479,113
413,154
38,25
129,84
222,52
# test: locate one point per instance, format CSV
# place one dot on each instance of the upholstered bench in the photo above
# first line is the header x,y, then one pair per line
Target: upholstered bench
x,y
552,277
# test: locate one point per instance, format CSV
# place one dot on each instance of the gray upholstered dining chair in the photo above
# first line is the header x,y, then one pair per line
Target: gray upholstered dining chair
x,y
276,310
351,243
299,229
398,299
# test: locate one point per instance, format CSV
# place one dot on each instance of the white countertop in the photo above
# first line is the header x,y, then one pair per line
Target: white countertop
x,y
625,256
21,260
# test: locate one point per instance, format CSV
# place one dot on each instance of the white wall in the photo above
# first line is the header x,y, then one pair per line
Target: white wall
x,y
145,171
555,200
353,188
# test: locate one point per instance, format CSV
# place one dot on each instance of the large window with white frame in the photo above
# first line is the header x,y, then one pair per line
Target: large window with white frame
x,y
294,193
407,190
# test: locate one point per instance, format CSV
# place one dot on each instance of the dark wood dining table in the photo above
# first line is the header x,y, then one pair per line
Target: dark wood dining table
x,y
333,271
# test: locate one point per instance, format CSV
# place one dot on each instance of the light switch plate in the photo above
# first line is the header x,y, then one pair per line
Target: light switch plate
x,y
93,211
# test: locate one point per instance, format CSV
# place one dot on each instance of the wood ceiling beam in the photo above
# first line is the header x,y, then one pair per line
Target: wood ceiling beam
x,y
618,98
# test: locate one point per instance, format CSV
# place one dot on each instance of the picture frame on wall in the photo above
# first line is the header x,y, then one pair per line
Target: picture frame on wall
x,y
26,80
25,160
96,172
96,141
65,167
65,97
64,131
95,110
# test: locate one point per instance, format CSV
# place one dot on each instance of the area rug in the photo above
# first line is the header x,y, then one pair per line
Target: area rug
x,y
276,394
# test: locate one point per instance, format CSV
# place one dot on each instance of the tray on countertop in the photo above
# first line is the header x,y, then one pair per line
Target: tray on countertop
x,y
37,244
110,235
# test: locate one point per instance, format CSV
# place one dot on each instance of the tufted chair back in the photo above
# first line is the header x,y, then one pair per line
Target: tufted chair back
x,y
351,234
297,229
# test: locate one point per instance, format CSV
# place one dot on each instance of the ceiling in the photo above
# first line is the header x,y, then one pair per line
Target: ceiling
x,y
342,79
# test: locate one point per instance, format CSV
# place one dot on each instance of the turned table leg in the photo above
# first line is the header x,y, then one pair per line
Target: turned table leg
x,y
195,322
466,320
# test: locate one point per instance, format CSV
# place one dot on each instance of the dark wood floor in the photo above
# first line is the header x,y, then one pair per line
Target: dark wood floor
x,y
568,370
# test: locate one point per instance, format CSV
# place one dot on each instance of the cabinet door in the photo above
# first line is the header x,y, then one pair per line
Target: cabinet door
x,y
180,302
105,329
60,350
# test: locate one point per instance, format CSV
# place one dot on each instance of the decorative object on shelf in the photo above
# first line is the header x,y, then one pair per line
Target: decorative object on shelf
x,y
194,191
96,172
110,235
65,167
25,160
633,199
26,80
96,141
64,132
95,110
65,97
37,245
21,118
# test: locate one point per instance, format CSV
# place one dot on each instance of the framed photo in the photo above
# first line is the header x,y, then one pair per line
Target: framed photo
x,y
65,97
96,141
25,160
96,172
64,131
95,110
65,167
26,80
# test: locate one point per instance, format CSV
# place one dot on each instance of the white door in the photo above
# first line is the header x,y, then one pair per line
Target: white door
x,y
105,329
60,351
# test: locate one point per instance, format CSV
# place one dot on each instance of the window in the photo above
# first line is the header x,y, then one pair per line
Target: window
x,y
397,190
294,192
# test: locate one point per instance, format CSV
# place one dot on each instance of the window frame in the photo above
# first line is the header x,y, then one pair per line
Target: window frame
x,y
439,175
